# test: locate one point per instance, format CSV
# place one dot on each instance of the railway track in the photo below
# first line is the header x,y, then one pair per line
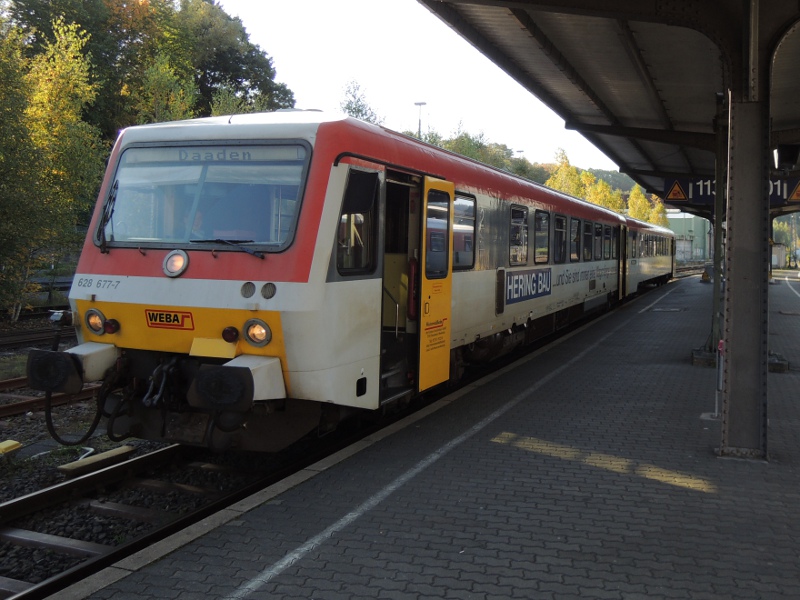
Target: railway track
x,y
23,338
689,270
46,545
52,538
12,404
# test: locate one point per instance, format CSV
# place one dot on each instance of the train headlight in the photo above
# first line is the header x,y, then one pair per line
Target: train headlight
x,y
257,332
175,263
95,321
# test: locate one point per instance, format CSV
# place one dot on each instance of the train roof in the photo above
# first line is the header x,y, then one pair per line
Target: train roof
x,y
294,123
650,227
305,124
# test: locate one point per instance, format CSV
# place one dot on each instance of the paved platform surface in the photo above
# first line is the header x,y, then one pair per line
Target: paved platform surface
x,y
585,471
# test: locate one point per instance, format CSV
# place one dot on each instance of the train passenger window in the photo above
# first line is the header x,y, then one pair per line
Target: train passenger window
x,y
587,240
560,239
541,237
615,243
633,244
356,239
464,233
598,241
574,240
518,236
607,242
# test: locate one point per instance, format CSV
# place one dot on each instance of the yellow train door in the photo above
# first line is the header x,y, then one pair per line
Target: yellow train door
x,y
436,283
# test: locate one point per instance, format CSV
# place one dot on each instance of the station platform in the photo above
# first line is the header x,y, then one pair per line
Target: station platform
x,y
587,470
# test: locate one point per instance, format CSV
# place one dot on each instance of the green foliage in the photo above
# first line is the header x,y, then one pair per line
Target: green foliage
x,y
226,101
19,158
615,179
496,155
355,104
144,54
164,95
224,57
782,231
523,168
52,159
72,150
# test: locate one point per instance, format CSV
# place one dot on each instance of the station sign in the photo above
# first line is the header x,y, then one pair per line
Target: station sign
x,y
693,190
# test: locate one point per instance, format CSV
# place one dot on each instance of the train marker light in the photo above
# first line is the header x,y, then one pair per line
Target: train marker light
x,y
257,332
175,263
230,334
95,321
111,326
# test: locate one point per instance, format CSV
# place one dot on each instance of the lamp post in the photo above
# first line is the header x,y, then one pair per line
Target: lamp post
x,y
419,129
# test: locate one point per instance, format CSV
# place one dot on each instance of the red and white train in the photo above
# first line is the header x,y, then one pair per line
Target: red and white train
x,y
250,280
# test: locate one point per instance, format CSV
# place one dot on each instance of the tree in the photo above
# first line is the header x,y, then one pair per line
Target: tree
x,y
164,95
524,168
599,192
638,205
615,179
781,232
224,57
197,39
355,104
463,143
226,101
20,216
566,178
122,39
70,151
658,214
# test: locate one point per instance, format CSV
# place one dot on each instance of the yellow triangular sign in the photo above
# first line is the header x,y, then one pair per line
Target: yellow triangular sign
x,y
676,193
795,195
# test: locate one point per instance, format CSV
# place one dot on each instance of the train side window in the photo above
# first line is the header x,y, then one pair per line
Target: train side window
x,y
607,242
615,243
574,240
437,226
560,239
587,240
598,241
518,236
464,233
356,239
541,253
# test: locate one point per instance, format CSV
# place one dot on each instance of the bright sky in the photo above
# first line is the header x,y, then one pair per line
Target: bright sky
x,y
400,54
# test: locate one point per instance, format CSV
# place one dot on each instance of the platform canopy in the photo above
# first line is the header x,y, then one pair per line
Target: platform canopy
x,y
643,80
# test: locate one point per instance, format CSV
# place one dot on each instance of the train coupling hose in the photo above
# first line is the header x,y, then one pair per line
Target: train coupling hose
x,y
59,319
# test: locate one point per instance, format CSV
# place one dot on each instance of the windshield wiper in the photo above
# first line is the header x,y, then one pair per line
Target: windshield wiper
x,y
105,217
235,243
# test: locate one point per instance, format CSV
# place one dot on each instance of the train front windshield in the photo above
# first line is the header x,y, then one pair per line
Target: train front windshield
x,y
181,195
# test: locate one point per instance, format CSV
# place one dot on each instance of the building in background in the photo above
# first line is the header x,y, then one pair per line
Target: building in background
x,y
694,237
779,252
